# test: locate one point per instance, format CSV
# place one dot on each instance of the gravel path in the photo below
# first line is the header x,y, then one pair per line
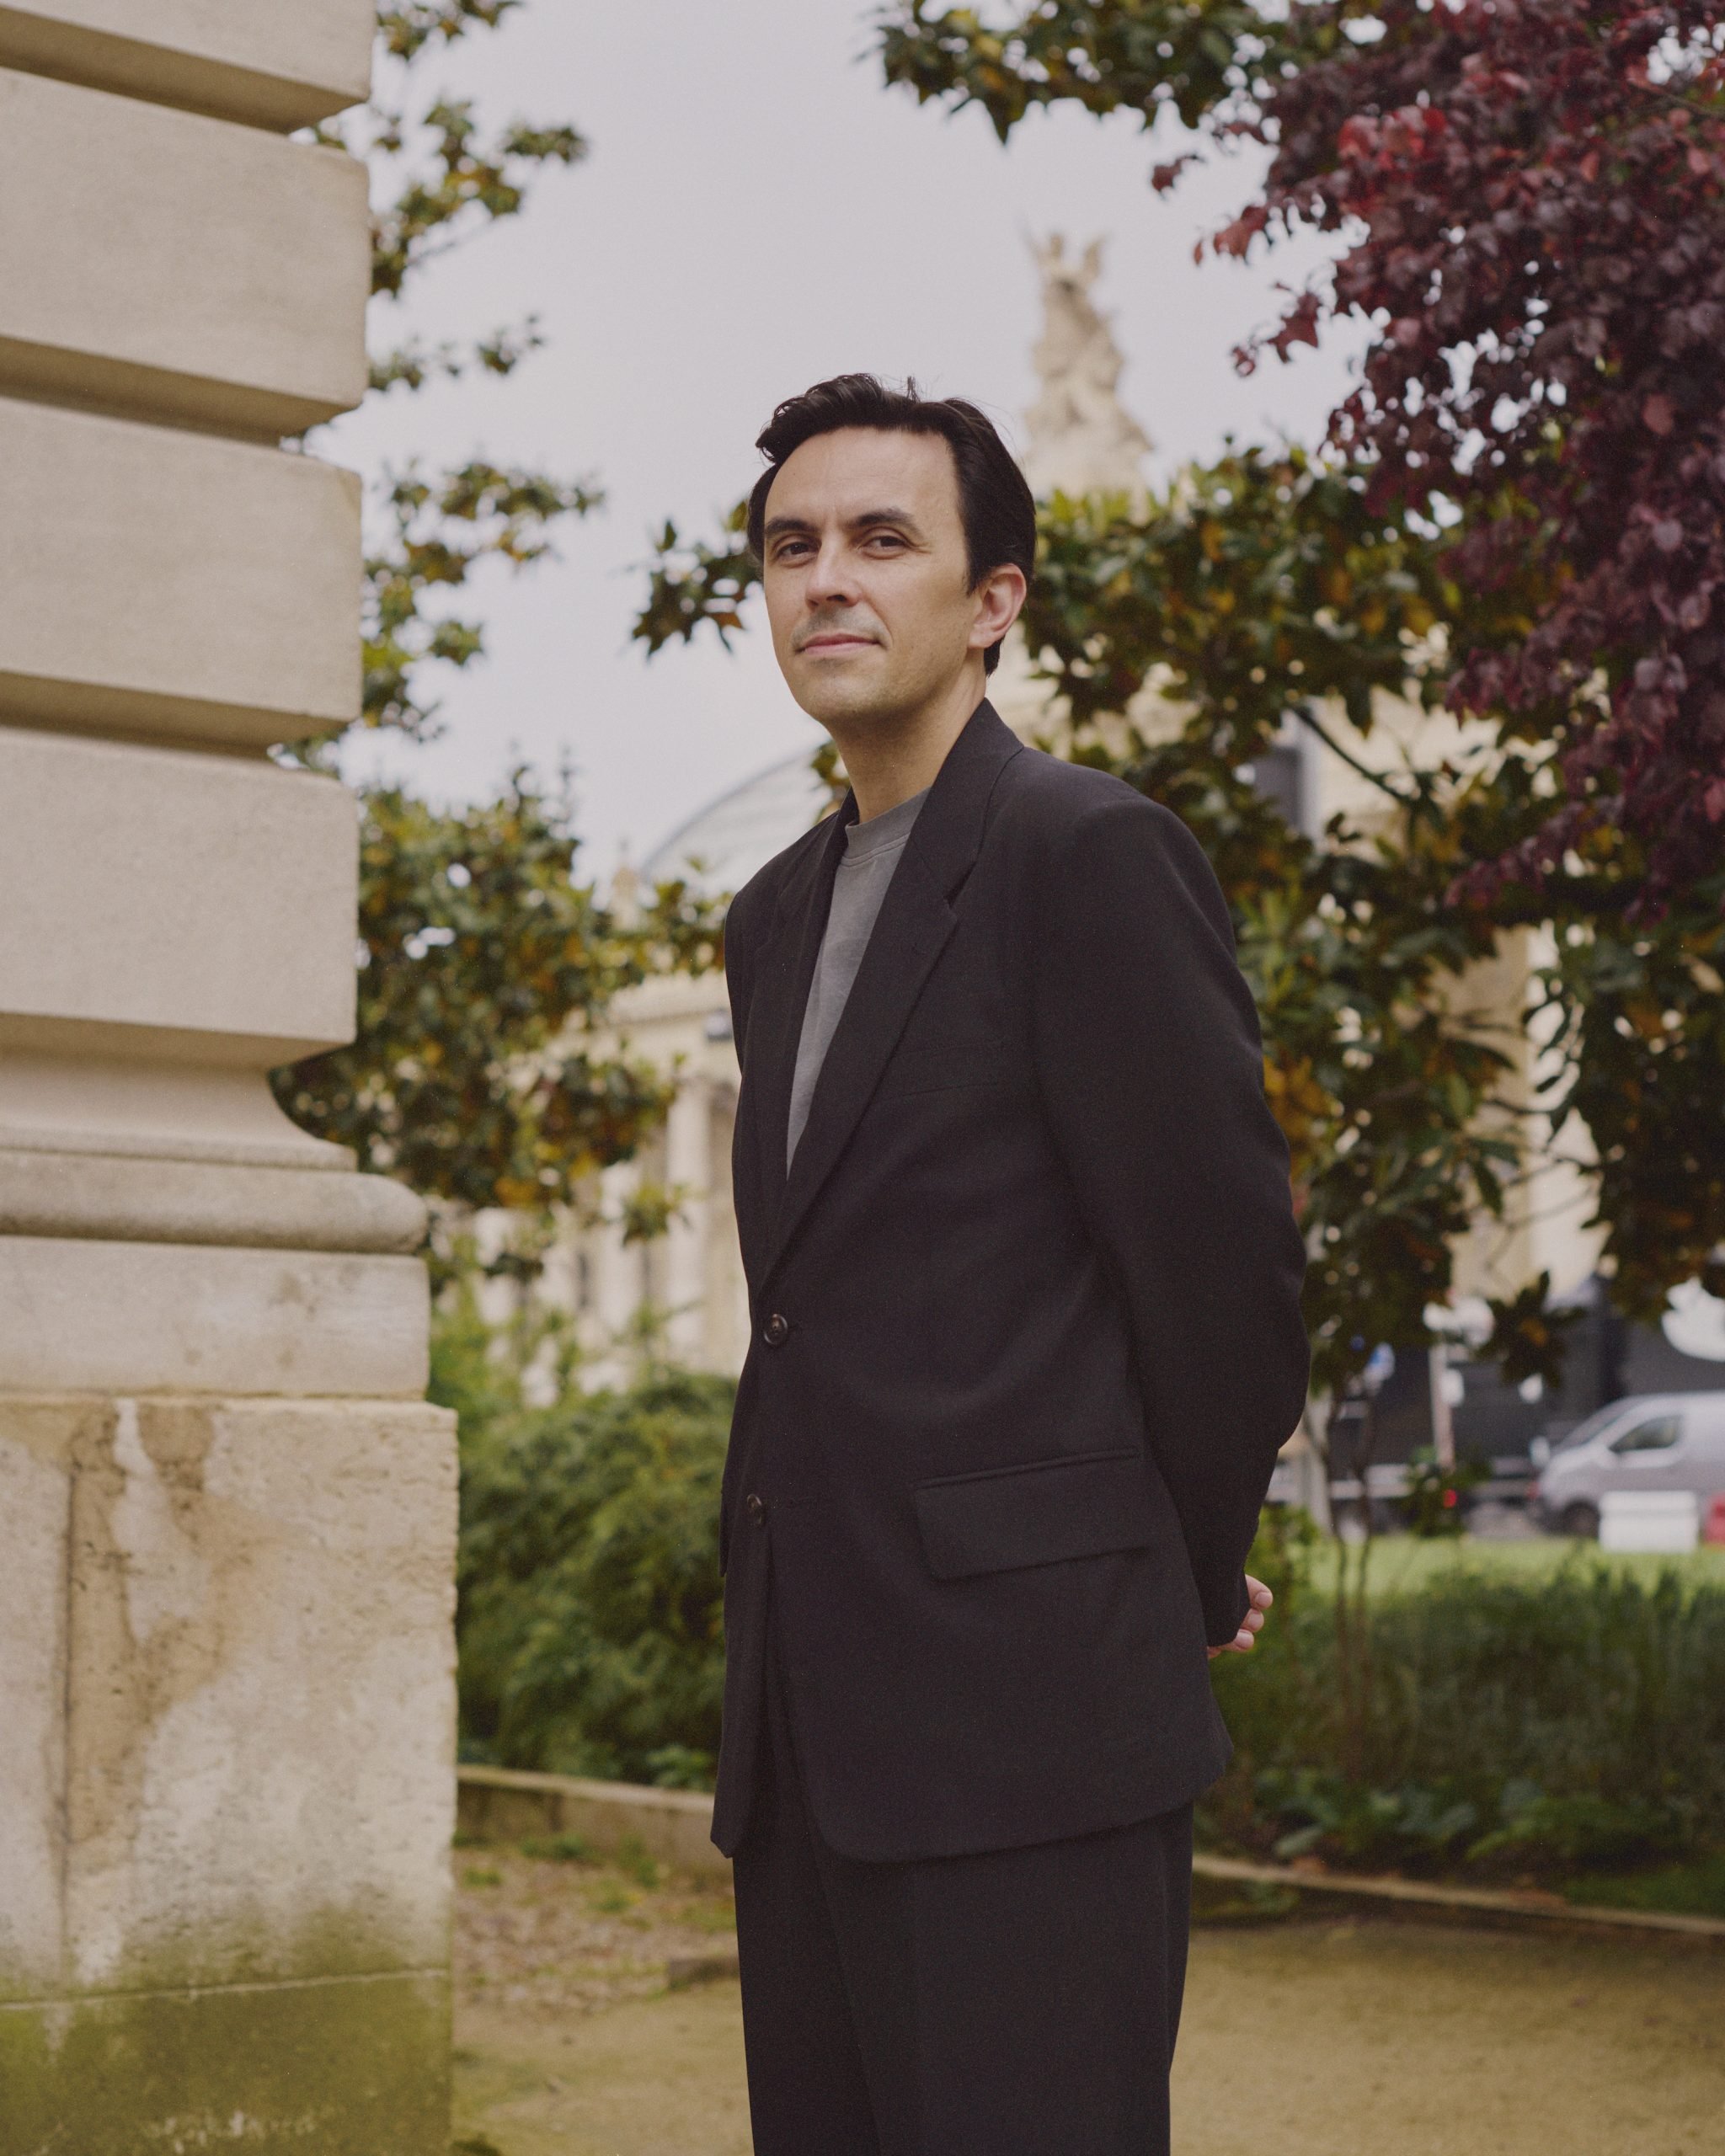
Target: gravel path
x,y
1300,2039
548,1940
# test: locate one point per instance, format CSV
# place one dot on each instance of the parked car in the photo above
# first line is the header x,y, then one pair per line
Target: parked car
x,y
1654,1441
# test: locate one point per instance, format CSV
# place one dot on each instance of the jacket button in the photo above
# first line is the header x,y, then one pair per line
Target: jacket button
x,y
776,1330
755,1507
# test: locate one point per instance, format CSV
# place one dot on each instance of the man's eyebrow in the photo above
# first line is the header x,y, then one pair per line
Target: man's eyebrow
x,y
775,527
901,517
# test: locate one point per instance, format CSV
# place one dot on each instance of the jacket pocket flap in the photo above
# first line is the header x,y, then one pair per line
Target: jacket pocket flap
x,y
945,1070
1083,1506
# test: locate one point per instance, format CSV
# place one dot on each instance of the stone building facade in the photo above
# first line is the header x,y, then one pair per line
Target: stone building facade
x,y
227,1516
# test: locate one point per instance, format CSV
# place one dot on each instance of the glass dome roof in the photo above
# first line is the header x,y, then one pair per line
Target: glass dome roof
x,y
721,846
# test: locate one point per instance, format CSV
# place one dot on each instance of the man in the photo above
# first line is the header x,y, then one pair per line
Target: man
x,y
1024,1280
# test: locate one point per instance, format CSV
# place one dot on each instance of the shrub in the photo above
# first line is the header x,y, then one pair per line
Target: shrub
x,y
1434,1503
1516,1723
589,1622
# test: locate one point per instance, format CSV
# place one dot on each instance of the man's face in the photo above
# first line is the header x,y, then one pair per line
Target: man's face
x,y
867,575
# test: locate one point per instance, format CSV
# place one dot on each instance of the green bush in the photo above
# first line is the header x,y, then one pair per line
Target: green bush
x,y
1434,1503
1514,1724
588,1617
1572,1721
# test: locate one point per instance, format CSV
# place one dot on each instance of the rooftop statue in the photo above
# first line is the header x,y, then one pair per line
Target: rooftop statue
x,y
1081,439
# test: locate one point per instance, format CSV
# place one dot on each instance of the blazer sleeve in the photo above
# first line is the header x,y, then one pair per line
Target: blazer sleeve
x,y
1150,1066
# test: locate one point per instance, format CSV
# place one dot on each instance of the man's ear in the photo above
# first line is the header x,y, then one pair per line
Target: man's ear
x,y
1000,601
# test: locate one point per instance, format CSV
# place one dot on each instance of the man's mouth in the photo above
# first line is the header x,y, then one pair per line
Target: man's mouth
x,y
835,640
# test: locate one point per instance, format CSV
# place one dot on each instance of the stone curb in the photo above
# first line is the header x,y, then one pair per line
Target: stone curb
x,y
499,1804
1521,1904
675,1825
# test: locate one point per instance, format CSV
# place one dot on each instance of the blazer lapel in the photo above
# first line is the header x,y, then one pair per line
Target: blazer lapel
x,y
910,931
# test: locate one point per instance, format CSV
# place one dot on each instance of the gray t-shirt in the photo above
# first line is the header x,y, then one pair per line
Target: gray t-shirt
x,y
872,851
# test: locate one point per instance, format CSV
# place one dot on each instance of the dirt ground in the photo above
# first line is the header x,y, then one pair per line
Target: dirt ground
x,y
1300,2039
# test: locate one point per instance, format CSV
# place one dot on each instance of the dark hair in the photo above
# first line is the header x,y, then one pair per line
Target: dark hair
x,y
995,500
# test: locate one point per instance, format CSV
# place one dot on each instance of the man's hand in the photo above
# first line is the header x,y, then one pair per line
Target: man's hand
x,y
1252,1625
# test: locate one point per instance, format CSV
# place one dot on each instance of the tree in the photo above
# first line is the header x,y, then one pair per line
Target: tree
x,y
1532,198
442,182
486,972
1527,196
1535,197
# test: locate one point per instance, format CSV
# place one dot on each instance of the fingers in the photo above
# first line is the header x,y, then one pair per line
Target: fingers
x,y
1253,1622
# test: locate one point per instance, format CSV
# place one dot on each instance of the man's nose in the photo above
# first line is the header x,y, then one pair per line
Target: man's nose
x,y
832,580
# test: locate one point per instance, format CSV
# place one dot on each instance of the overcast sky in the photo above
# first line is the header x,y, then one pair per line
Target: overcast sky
x,y
758,211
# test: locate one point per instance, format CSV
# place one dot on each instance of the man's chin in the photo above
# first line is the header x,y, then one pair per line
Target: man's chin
x,y
844,689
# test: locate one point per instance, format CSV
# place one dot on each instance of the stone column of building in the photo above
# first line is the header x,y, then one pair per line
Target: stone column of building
x,y
227,1516
688,1172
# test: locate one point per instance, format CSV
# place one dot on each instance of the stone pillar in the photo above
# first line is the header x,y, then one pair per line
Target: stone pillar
x,y
688,1170
227,1516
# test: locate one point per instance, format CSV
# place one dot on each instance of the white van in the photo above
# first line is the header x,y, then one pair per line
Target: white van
x,y
1656,1441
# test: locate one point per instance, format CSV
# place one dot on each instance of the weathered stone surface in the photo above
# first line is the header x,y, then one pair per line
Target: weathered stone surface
x,y
261,1689
227,1516
241,1612
138,1200
355,2067
164,892
175,266
272,64
184,1317
36,1454
174,586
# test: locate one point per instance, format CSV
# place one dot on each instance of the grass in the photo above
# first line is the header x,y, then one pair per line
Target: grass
x,y
1405,1564
559,1849
1677,1889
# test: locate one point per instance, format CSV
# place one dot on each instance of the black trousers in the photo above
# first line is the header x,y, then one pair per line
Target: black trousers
x,y
1020,2003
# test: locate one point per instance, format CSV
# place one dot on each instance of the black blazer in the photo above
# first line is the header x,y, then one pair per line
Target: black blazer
x,y
1026,1320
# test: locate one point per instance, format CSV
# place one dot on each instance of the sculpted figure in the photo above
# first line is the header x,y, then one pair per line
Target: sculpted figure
x,y
1082,440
